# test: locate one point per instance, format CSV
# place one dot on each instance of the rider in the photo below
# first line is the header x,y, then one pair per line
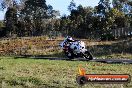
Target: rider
x,y
68,41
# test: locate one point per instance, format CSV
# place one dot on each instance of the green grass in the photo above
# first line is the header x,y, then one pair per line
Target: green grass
x,y
40,73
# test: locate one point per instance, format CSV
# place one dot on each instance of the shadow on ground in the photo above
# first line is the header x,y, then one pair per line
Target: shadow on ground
x,y
46,57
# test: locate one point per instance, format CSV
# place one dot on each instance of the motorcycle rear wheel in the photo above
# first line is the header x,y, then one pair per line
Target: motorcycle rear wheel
x,y
70,56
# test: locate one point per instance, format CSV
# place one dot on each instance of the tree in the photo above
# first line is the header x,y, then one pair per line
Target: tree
x,y
36,11
52,13
130,2
11,19
117,4
72,6
7,3
1,24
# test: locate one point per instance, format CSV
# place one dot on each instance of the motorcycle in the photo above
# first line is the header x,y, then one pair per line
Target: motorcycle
x,y
76,49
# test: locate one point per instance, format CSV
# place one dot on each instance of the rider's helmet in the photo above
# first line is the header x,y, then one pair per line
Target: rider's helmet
x,y
69,39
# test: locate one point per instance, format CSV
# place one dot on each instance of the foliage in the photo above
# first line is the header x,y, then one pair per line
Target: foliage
x,y
72,6
7,4
36,18
1,24
34,12
44,47
11,21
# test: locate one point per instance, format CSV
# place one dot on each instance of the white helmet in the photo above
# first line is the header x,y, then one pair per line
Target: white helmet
x,y
69,38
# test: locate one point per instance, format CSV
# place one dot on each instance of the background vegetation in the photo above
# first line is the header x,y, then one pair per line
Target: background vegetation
x,y
35,18
29,29
42,46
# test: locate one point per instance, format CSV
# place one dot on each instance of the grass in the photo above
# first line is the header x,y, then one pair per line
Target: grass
x,y
40,73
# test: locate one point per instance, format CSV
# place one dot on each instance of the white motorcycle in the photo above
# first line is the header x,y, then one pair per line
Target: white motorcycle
x,y
76,49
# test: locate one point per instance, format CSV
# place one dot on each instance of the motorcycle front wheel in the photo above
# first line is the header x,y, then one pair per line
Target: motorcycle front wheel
x,y
88,55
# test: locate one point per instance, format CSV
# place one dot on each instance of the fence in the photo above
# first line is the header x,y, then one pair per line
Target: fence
x,y
121,32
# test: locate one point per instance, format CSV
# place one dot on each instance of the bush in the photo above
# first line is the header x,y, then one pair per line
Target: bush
x,y
107,37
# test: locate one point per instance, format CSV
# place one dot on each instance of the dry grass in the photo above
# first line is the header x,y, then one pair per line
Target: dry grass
x,y
42,46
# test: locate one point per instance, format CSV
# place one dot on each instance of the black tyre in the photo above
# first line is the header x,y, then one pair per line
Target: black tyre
x,y
69,55
88,55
